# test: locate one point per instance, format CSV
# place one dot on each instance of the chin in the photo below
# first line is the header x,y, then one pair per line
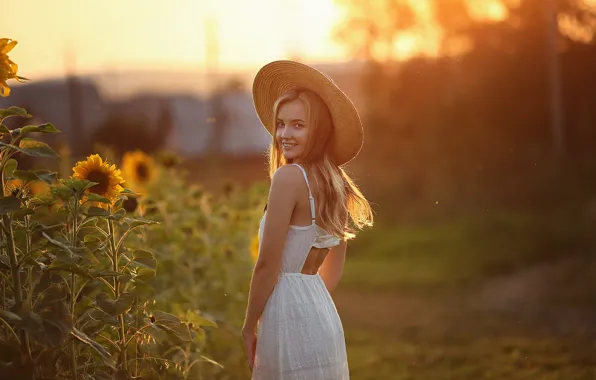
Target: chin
x,y
292,157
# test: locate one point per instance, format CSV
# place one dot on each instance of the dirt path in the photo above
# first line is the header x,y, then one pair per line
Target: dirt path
x,y
553,298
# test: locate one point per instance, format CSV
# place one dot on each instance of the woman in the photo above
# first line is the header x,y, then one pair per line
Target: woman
x,y
315,129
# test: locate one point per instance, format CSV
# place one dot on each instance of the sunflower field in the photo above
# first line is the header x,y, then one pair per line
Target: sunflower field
x,y
125,271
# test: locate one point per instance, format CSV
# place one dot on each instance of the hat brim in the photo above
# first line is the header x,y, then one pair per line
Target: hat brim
x,y
277,77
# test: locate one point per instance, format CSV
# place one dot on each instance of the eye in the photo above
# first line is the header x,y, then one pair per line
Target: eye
x,y
279,124
299,125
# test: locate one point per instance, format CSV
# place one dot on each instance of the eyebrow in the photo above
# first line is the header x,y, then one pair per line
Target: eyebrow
x,y
278,119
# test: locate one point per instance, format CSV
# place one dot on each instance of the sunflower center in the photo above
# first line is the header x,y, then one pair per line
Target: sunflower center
x,y
103,182
142,171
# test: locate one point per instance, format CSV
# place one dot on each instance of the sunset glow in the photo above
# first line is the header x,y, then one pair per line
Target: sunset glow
x,y
115,35
146,34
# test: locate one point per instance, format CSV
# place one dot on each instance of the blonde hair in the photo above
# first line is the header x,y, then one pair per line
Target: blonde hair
x,y
342,196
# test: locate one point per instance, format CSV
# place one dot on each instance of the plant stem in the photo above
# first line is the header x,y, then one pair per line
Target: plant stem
x,y
137,339
73,292
116,268
14,267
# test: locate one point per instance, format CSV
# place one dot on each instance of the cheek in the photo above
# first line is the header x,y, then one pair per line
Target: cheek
x,y
303,136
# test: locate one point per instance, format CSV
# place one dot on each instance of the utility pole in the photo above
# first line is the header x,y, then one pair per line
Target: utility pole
x,y
554,73
75,102
216,117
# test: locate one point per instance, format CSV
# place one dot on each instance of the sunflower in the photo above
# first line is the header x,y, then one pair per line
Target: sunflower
x,y
39,187
254,248
8,69
16,186
138,169
108,178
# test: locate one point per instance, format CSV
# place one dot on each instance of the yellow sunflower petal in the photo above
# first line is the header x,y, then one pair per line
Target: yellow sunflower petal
x,y
4,89
8,47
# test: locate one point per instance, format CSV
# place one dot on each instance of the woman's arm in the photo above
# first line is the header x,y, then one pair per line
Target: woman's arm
x,y
281,202
333,266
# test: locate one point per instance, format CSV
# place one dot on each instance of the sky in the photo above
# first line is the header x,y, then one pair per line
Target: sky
x,y
99,35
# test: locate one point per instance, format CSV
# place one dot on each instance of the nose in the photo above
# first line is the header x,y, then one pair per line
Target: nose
x,y
284,132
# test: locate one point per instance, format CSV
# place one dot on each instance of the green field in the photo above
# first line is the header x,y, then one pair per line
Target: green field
x,y
505,297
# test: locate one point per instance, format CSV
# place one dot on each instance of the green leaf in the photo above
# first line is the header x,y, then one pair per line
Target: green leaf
x,y
59,244
92,197
26,175
4,263
118,215
31,323
100,315
136,222
127,191
8,315
199,321
62,192
163,316
145,274
125,278
101,350
42,128
171,323
13,111
10,167
106,273
46,175
57,324
145,258
4,129
91,240
115,307
35,175
9,204
97,211
79,185
92,221
33,148
54,293
23,212
143,289
60,265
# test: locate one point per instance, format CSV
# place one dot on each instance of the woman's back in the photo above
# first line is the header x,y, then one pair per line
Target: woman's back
x,y
307,243
300,335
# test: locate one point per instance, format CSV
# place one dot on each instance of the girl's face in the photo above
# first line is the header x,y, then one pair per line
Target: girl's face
x,y
292,129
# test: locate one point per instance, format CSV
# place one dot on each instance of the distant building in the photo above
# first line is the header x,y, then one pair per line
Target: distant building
x,y
185,119
50,101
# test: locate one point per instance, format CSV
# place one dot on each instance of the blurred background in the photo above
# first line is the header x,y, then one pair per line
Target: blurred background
x,y
479,154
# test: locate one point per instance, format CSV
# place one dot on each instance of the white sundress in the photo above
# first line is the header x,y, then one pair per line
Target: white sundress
x,y
300,335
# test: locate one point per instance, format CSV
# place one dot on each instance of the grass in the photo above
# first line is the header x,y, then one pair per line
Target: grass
x,y
405,298
461,252
376,356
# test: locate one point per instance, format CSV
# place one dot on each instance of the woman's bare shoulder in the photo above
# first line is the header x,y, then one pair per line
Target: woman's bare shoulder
x,y
287,176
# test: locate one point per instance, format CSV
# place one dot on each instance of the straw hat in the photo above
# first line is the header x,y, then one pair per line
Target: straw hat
x,y
277,77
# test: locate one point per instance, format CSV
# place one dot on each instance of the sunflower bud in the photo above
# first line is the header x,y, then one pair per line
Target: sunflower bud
x,y
130,204
168,159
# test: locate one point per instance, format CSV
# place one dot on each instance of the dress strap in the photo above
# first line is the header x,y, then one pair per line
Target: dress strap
x,y
310,197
